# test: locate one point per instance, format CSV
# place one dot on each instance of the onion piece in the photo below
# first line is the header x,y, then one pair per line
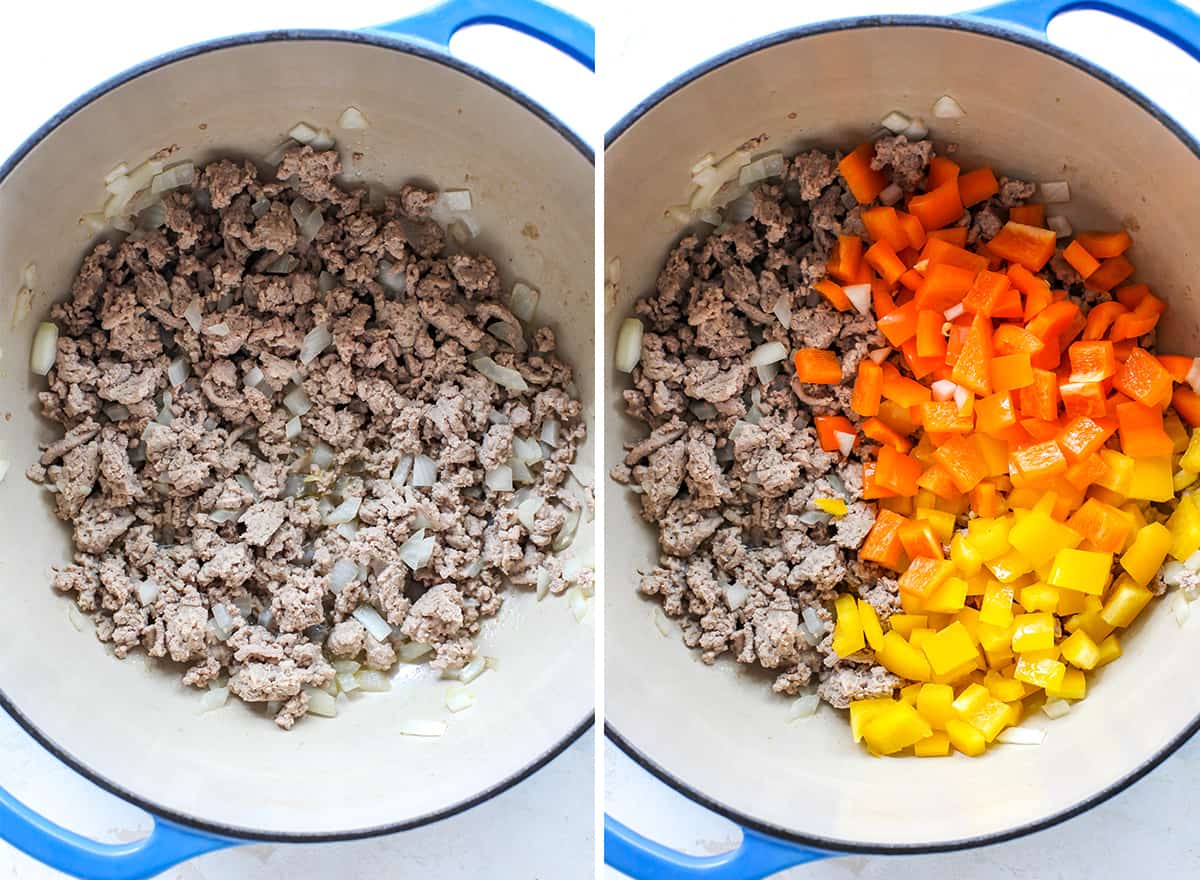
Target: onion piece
x,y
424,471
172,178
1173,573
315,341
782,310
291,430
502,376
762,168
895,122
260,207
767,372
566,535
860,296
1060,224
320,703
918,131
297,401
527,510
344,512
681,214
119,170
579,603
1056,708
375,625
472,670
510,334
372,681
323,141
346,682
1181,610
458,698
253,378
394,278
1021,736
214,698
805,707
417,550
890,194
421,727
527,450
311,225
401,471
353,119
499,479
523,301
612,271
410,652
192,315
456,199
44,351
221,516
116,412
302,132
961,396
767,353
629,345
845,441
147,591
1055,191
222,621
946,107
550,432
220,329
943,389
346,667
178,371
814,517
703,162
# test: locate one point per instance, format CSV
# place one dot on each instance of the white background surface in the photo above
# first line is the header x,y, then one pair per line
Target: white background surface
x,y
49,54
1146,832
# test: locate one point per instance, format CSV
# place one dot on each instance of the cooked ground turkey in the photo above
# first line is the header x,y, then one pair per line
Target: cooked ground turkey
x,y
731,465
199,527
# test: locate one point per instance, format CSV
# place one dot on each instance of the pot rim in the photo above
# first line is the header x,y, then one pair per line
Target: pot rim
x,y
381,39
1029,40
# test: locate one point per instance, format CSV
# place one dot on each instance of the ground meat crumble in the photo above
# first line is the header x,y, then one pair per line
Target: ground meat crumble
x,y
731,465
200,527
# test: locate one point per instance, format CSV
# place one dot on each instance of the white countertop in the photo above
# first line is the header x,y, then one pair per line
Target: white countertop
x,y
542,829
1148,830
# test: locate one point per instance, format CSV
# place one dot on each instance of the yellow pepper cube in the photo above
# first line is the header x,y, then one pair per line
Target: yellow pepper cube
x,y
1152,479
977,583
969,618
999,659
939,620
1009,566
901,504
1119,472
909,694
1136,512
1079,650
872,629
1070,602
989,536
1015,712
936,745
1090,622
965,738
1033,632
1184,525
1073,687
1125,602
1191,456
976,706
1039,671
965,556
941,521
904,624
1110,650
950,649
920,634
901,658
1003,687
1087,571
862,711
1039,597
1038,536
996,607
832,506
958,505
896,727
995,638
1177,432
1182,479
949,597
1145,555
935,704
959,675
848,630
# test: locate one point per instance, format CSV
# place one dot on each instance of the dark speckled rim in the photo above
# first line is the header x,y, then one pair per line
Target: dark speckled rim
x,y
1028,40
398,44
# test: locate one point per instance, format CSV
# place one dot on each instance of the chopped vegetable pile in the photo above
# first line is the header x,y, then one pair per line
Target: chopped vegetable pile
x,y
1033,465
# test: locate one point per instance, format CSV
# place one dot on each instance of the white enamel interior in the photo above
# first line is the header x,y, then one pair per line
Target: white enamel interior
x,y
139,727
721,731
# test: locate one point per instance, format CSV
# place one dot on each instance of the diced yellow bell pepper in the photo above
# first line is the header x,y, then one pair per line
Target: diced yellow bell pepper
x,y
949,649
996,607
1033,632
949,597
1182,479
872,629
833,506
1015,713
1000,658
1176,431
1152,479
899,657
936,745
1079,650
934,702
969,618
1009,566
977,583
965,555
958,676
1110,650
1070,602
940,521
1136,512
1038,536
1040,671
901,504
1120,472
1087,571
920,634
956,505
1185,528
1125,602
976,706
1039,597
848,630
995,638
965,738
896,727
1090,621
1004,688
1191,456
904,624
909,694
989,536
1073,687
925,498
939,620
862,711
1145,555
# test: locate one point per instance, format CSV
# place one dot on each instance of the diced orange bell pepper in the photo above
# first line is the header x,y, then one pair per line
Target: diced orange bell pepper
x,y
1142,433
995,413
828,427
1131,325
1039,400
1083,399
929,340
944,417
1101,317
1053,320
896,471
883,224
1038,462
986,292
833,292
985,500
1104,527
1104,245
815,366
956,235
1083,436
871,490
939,207
1079,258
845,258
1011,372
938,251
913,230
900,324
918,539
944,286
882,544
977,185
1086,471
937,480
1143,378
881,432
923,576
882,258
1092,361
941,170
1031,214
901,389
973,369
1187,404
1013,339
964,462
863,181
1111,273
1029,246
1131,295
1177,365
868,386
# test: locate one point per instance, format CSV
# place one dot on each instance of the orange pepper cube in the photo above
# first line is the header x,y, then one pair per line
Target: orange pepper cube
x,y
815,366
1142,432
923,576
1093,361
1144,378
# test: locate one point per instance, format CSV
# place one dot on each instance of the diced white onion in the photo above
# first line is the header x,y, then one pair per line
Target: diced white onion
x,y
767,373
323,141
119,170
943,389
253,378
456,199
302,132
681,214
502,376
291,430
550,432
320,703
528,509
499,479
805,707
172,178
421,727
895,122
527,450
472,670
953,312
783,310
520,471
1060,224
612,271
703,162
352,118
347,530
222,622
580,604
523,301
768,353
44,351
117,412
770,165
1055,191
282,266
417,550
147,591
917,131
1193,375
814,517
311,225
402,470
860,296
710,180
344,512
260,207
346,682
459,698
220,516
1180,608
346,667
629,345
961,396
1173,572
375,625
946,107
193,316
812,622
410,652
845,441
219,329
890,194
1192,563
372,681
424,471
1021,736
214,698
344,572
297,401
178,371
1056,708
462,230
315,341
566,535
153,217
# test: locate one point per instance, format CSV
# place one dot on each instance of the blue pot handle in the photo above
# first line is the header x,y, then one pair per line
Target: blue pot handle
x,y
71,853
1168,19
758,856
552,26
